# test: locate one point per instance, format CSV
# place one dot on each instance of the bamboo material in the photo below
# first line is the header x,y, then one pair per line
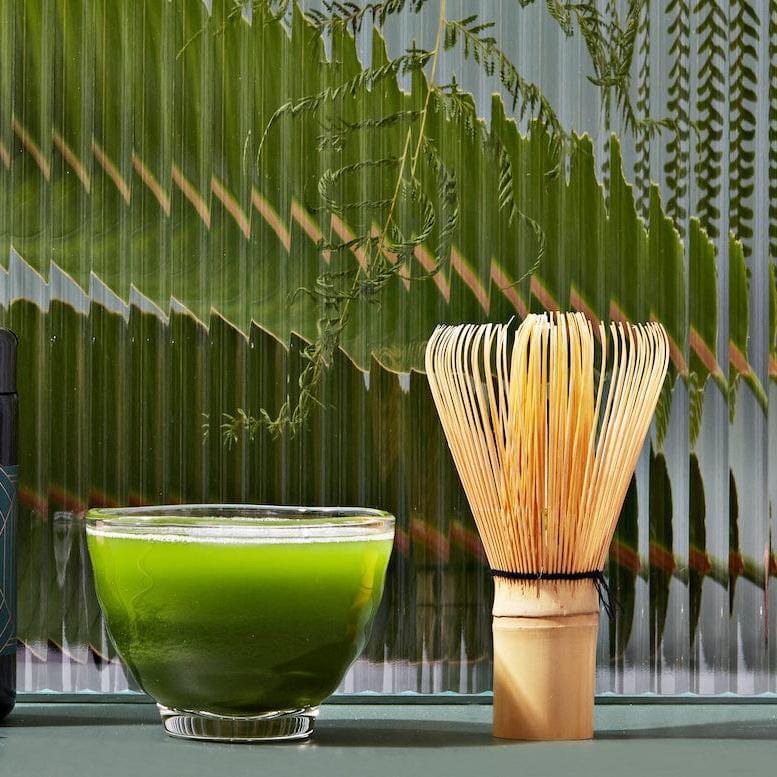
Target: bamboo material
x,y
545,452
544,659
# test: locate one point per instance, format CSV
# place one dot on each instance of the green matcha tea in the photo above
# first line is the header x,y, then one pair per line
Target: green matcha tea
x,y
238,626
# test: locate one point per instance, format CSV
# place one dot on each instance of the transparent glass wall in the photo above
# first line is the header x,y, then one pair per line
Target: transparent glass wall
x,y
227,230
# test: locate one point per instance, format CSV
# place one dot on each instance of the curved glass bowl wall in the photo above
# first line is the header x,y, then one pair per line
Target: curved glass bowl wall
x,y
239,620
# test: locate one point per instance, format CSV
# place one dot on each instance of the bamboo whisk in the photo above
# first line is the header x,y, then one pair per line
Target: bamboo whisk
x,y
545,452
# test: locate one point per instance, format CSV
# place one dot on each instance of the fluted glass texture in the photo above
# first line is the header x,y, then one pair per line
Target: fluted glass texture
x,y
210,211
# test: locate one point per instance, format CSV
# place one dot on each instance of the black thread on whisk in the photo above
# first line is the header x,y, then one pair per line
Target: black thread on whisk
x,y
606,597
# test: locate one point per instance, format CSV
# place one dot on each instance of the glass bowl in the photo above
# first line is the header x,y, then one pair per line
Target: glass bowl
x,y
239,620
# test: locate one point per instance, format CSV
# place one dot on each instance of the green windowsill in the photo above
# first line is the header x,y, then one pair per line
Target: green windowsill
x,y
64,740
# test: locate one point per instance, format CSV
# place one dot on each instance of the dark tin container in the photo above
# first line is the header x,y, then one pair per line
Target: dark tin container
x,y
8,488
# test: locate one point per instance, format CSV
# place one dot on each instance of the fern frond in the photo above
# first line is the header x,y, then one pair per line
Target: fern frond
x,y
352,16
261,11
744,28
642,167
610,45
772,95
364,80
336,134
710,106
330,178
482,48
457,106
449,206
678,147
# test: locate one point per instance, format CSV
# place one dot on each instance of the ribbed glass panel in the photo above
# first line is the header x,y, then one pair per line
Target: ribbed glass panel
x,y
181,186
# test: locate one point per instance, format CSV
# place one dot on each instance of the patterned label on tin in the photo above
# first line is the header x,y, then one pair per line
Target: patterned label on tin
x,y
8,481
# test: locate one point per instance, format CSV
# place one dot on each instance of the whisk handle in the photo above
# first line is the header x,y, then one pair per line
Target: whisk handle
x,y
544,675
544,658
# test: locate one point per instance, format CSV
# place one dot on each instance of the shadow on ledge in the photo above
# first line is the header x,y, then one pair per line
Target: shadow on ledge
x,y
734,729
403,734
65,715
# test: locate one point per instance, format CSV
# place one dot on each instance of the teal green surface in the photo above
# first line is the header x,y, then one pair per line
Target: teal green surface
x,y
63,740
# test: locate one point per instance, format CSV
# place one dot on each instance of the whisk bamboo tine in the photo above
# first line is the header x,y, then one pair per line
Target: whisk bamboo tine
x,y
541,454
545,452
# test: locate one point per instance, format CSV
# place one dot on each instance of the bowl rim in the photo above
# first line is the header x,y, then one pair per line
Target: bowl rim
x,y
241,522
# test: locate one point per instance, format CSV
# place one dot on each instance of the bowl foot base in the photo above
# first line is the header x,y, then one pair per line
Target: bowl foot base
x,y
279,726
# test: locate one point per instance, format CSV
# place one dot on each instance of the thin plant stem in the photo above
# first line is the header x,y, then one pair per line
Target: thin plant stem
x,y
430,86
